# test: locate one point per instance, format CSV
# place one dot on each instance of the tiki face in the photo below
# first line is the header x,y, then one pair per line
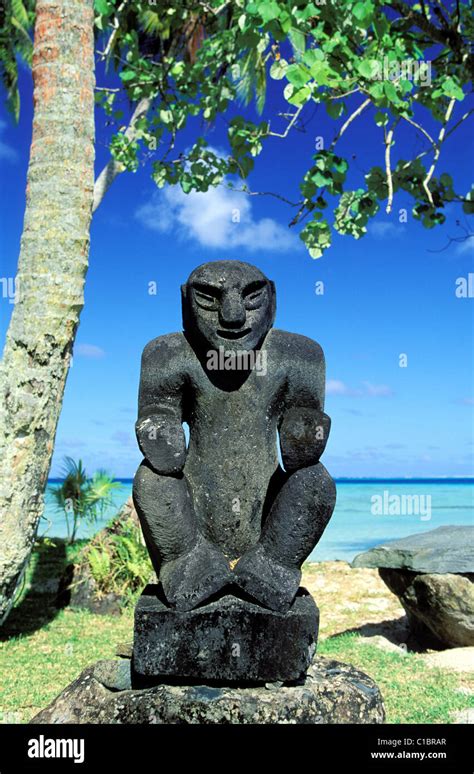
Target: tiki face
x,y
228,304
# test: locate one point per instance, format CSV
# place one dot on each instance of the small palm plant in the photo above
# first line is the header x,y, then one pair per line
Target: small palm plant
x,y
83,498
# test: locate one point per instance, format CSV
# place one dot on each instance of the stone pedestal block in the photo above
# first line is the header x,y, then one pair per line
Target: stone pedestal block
x,y
231,640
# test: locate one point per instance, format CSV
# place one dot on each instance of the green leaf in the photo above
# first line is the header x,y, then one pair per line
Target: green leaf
x,y
367,67
166,116
278,69
340,165
186,184
321,72
381,119
321,179
451,89
446,180
390,91
269,10
103,7
300,96
363,11
313,55
335,109
406,86
298,75
285,22
376,90
297,40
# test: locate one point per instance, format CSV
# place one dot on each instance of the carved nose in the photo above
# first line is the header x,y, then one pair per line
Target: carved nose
x,y
232,311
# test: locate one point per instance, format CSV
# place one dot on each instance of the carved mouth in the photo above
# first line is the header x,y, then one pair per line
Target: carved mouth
x,y
234,334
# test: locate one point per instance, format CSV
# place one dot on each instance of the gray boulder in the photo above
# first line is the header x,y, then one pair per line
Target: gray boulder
x,y
432,574
440,608
330,693
445,549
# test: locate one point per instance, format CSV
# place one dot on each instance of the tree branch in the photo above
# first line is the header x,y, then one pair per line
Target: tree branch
x,y
265,193
388,167
284,134
449,37
424,24
116,27
441,137
113,168
349,121
463,118
421,129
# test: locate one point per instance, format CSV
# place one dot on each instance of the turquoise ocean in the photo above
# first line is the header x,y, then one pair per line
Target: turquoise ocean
x,y
368,512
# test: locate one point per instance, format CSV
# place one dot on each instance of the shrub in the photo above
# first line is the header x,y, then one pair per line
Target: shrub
x,y
118,559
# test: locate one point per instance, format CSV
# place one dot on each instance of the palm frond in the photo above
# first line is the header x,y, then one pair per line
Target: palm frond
x,y
154,25
16,21
19,13
252,79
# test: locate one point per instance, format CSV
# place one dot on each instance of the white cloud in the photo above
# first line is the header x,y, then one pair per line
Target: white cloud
x,y
382,229
336,387
124,438
70,443
209,219
89,350
466,247
6,151
377,390
369,390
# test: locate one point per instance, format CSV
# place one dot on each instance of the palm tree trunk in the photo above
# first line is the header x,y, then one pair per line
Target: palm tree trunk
x,y
51,272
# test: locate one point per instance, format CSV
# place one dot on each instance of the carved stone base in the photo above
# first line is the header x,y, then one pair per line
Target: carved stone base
x,y
230,640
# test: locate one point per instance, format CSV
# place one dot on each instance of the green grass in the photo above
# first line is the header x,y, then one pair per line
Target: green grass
x,y
412,692
43,648
35,667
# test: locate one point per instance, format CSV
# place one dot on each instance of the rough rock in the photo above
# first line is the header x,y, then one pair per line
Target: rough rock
x,y
331,693
230,640
440,608
463,716
124,649
115,675
441,550
379,641
431,573
456,659
78,589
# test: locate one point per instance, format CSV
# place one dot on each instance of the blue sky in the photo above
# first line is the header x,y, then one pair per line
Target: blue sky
x,y
391,293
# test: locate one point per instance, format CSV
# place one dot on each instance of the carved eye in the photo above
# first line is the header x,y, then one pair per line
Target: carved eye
x,y
254,297
205,300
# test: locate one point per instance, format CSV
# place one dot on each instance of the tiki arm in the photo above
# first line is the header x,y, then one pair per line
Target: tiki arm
x,y
159,426
304,427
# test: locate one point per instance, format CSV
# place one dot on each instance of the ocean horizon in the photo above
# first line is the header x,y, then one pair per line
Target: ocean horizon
x,y
368,511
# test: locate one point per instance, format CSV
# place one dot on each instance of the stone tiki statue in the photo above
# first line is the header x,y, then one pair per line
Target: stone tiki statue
x,y
222,514
227,527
